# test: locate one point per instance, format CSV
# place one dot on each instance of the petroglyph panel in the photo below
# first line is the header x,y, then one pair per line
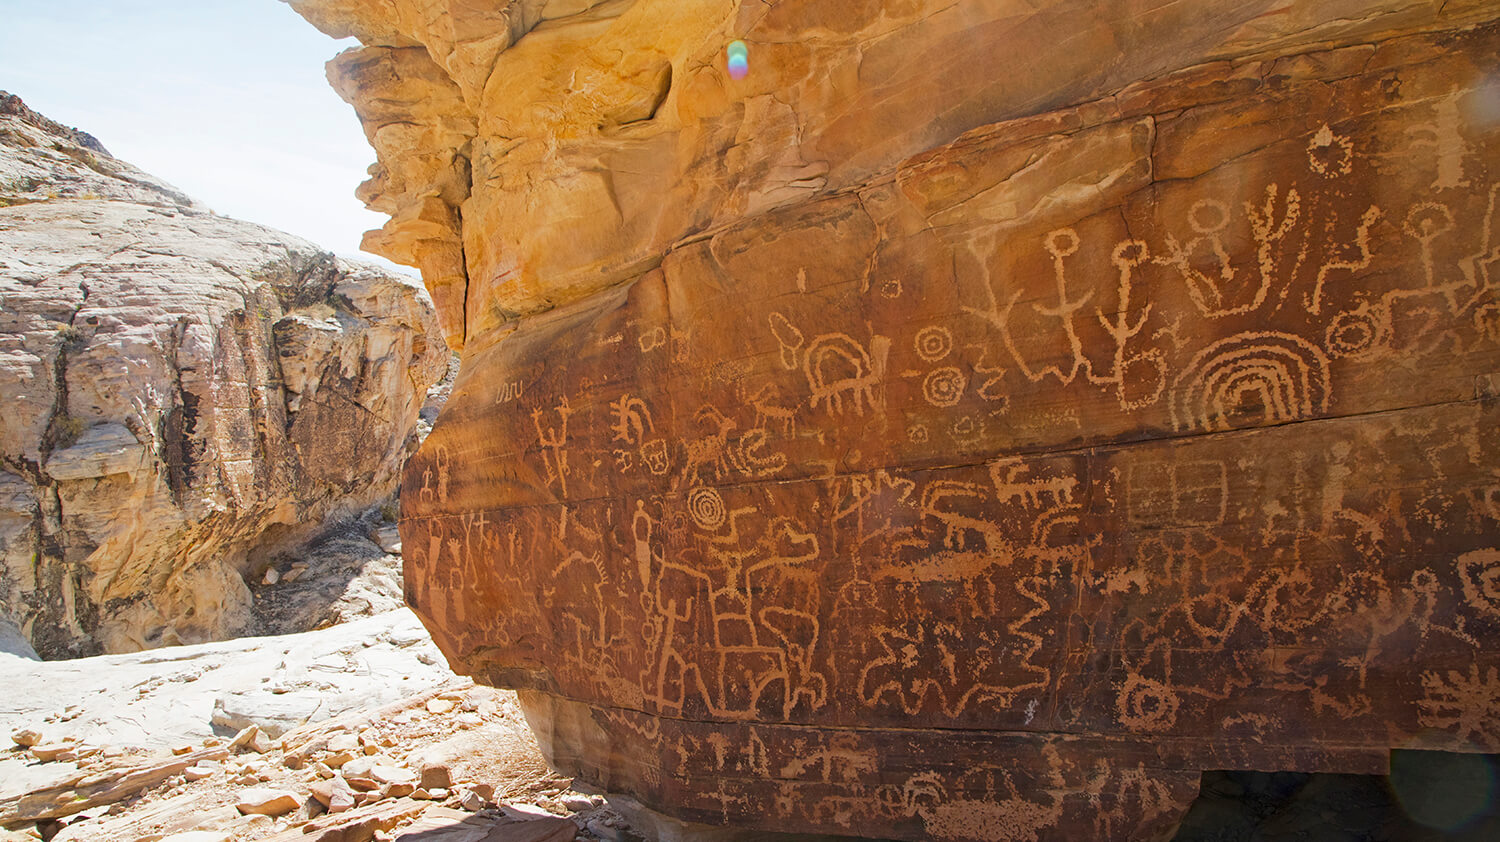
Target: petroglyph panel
x,y
996,498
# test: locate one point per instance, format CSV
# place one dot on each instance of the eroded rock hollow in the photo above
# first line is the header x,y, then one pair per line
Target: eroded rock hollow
x,y
973,423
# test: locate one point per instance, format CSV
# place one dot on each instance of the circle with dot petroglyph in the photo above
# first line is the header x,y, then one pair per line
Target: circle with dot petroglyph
x,y
933,343
1147,705
944,386
706,507
1359,334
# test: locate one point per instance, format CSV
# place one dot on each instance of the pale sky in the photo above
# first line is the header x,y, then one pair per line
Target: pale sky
x,y
226,99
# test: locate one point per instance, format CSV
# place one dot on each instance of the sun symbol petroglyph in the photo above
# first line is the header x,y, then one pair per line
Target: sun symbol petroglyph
x,y
1330,155
944,387
933,343
1145,704
706,507
1255,377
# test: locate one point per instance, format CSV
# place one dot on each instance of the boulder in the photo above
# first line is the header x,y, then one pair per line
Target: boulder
x,y
185,393
973,423
266,802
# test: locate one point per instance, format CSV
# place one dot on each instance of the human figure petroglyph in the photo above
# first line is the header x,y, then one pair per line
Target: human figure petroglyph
x,y
1061,243
435,477
554,441
739,634
1129,255
1208,218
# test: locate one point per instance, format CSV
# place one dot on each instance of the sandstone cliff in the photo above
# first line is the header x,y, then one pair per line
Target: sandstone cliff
x,y
973,423
180,391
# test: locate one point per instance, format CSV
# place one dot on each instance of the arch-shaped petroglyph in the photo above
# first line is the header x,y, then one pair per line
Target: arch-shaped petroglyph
x,y
1277,376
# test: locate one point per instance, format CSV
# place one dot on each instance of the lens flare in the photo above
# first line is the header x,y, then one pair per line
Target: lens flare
x,y
739,59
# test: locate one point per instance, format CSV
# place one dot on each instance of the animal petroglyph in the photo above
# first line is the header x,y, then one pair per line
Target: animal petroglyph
x,y
839,369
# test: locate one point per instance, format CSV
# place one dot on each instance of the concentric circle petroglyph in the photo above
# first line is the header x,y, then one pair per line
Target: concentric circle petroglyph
x,y
933,343
1358,334
706,507
944,386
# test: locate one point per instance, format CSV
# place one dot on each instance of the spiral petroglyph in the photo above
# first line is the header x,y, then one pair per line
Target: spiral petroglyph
x,y
706,507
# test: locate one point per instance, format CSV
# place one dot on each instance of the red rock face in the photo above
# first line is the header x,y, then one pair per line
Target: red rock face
x,y
998,497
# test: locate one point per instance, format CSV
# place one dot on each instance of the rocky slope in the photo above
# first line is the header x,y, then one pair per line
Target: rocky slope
x,y
352,732
185,395
973,423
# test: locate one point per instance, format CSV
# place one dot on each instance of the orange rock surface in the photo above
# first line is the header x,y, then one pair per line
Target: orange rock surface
x,y
976,422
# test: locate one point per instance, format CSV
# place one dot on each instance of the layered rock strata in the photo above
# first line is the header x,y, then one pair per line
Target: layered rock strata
x,y
974,423
181,391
